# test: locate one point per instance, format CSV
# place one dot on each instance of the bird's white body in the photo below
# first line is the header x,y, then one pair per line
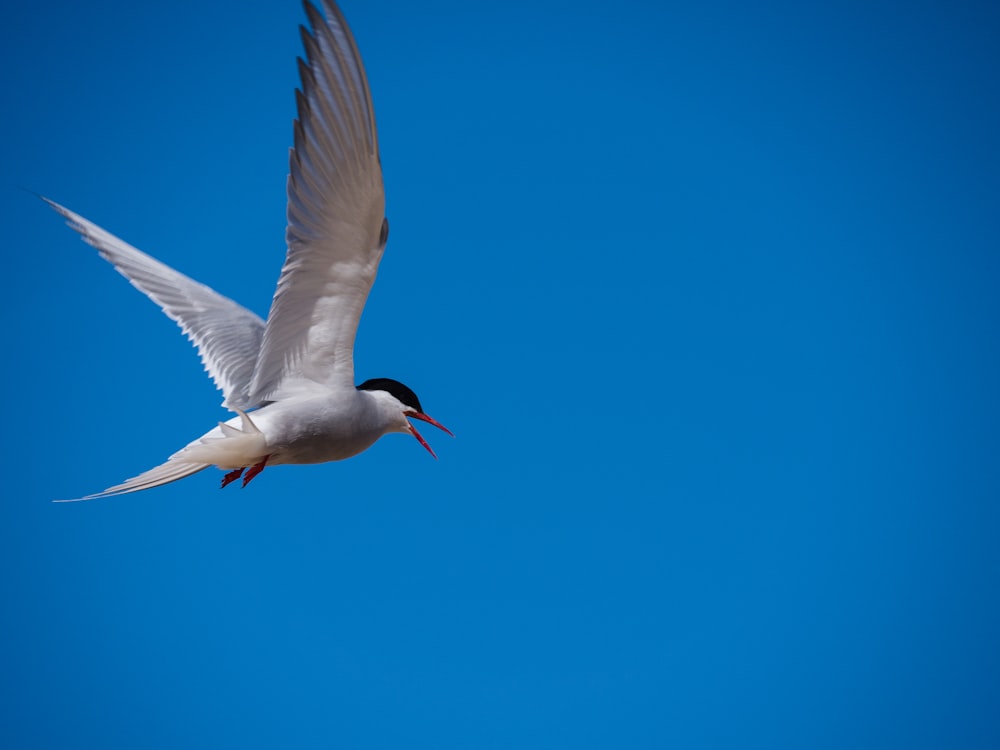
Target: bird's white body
x,y
305,430
290,379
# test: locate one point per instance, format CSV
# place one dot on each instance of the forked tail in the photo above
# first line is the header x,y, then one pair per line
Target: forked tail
x,y
166,473
226,446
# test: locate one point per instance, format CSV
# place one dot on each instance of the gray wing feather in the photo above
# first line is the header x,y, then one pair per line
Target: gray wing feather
x,y
226,334
336,210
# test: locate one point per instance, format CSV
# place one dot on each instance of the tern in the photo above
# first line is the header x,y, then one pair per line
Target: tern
x,y
290,380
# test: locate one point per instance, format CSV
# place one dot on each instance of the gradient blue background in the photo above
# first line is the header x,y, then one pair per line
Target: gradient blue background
x,y
707,292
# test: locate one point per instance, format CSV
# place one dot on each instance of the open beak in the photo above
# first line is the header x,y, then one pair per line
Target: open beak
x,y
429,420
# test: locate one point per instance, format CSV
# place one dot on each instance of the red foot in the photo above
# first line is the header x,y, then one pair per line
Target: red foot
x,y
231,477
254,470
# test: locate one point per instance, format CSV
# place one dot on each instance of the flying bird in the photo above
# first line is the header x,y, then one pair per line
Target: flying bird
x,y
290,379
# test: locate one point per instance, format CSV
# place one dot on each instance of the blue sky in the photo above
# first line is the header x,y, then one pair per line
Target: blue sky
x,y
707,292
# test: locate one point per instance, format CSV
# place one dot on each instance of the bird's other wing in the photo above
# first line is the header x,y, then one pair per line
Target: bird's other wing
x,y
227,334
336,219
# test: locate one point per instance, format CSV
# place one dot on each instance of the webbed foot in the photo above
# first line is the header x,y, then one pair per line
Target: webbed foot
x,y
254,470
231,477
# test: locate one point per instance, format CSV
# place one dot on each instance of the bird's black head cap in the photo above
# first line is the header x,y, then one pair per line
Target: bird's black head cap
x,y
396,389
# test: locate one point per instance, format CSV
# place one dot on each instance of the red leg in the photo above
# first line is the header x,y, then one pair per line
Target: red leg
x,y
231,477
254,470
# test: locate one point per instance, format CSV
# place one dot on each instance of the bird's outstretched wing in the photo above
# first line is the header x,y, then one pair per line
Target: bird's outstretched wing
x,y
336,219
227,335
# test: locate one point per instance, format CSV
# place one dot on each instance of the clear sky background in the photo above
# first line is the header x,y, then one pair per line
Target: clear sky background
x,y
708,293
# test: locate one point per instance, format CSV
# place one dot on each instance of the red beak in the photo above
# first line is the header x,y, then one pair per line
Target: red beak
x,y
429,420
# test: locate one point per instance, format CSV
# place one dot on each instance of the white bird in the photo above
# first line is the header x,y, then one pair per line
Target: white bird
x,y
290,380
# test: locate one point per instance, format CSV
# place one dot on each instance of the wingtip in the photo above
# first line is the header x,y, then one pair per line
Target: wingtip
x,y
59,209
33,192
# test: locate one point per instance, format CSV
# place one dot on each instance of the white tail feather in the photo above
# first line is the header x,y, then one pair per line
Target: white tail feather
x,y
171,471
227,447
